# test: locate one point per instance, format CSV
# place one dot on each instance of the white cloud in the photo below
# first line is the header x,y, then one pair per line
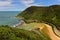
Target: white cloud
x,y
5,3
27,2
30,3
34,5
9,0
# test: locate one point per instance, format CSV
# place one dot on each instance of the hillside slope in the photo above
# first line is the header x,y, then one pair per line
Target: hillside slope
x,y
50,14
11,33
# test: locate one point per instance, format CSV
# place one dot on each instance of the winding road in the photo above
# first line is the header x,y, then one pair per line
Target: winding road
x,y
52,32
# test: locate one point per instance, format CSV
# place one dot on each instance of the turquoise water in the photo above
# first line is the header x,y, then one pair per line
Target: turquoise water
x,y
8,17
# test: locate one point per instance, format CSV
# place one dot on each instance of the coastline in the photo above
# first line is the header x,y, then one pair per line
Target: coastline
x,y
20,24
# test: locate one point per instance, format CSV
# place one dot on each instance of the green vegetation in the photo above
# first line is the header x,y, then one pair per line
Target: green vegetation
x,y
50,14
11,33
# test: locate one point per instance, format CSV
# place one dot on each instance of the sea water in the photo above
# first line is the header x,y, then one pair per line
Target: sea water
x,y
8,18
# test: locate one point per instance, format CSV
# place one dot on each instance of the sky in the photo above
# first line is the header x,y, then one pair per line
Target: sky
x,y
20,5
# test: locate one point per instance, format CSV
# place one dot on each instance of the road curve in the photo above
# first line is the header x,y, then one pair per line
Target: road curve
x,y
49,30
51,33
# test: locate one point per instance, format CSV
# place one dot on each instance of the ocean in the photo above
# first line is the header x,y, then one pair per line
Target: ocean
x,y
8,18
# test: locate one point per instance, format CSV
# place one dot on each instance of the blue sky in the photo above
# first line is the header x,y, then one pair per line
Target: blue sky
x,y
19,5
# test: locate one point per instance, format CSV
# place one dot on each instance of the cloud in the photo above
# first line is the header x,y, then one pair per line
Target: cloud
x,y
37,4
34,5
5,3
10,5
6,0
27,2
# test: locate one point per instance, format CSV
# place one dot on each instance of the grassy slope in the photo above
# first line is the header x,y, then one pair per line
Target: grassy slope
x,y
35,27
50,14
8,33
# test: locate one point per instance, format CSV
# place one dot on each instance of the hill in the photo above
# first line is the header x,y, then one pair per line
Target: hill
x,y
49,14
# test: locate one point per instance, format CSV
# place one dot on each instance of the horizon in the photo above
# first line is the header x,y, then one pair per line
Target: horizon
x,y
20,5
